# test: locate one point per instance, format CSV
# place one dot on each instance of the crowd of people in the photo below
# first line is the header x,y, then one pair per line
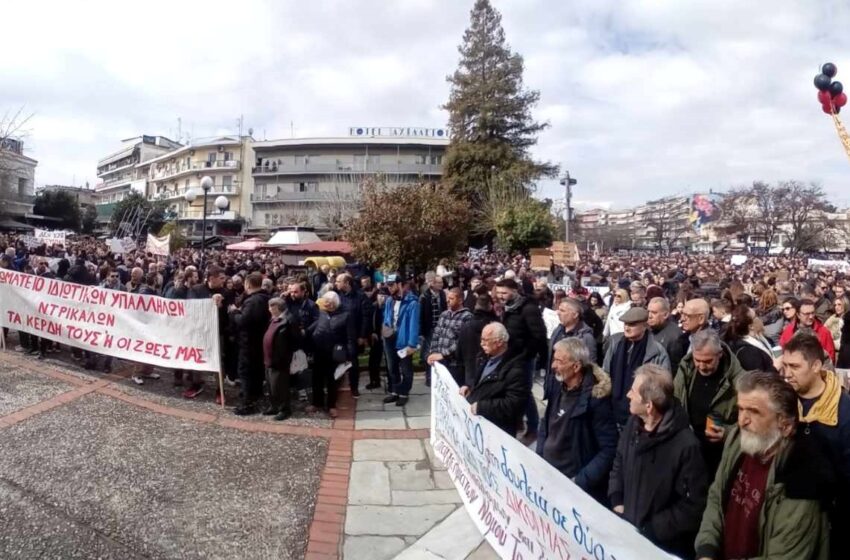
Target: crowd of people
x,y
702,401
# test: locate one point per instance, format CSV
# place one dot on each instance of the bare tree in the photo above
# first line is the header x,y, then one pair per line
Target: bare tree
x,y
666,222
739,214
338,205
13,130
297,214
805,208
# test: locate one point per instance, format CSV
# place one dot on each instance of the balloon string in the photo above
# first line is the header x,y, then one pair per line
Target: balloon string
x,y
842,132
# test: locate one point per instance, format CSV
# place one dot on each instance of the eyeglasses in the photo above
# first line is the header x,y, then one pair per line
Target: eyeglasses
x,y
806,313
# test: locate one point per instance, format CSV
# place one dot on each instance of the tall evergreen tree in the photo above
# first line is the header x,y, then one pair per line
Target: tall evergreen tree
x,y
490,115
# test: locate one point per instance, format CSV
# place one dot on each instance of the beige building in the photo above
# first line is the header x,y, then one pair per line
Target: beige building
x,y
118,174
225,159
17,184
316,182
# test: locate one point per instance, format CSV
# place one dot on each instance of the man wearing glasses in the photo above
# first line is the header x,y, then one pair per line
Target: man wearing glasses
x,y
806,321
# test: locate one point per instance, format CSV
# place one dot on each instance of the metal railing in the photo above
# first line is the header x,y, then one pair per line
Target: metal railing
x,y
333,168
177,169
180,193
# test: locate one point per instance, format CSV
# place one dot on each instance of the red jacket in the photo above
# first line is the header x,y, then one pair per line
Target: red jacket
x,y
823,334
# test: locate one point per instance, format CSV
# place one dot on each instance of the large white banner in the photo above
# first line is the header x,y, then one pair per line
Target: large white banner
x,y
841,266
180,334
158,245
523,506
50,237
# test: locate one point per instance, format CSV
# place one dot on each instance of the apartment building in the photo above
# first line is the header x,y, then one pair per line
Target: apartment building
x,y
118,174
174,175
315,181
17,184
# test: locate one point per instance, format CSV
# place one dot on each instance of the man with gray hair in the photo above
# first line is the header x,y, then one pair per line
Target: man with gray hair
x,y
502,388
767,498
281,339
577,434
705,386
570,326
665,330
658,481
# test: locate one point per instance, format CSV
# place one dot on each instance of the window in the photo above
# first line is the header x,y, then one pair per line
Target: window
x,y
266,218
228,156
211,157
436,160
22,186
227,182
308,187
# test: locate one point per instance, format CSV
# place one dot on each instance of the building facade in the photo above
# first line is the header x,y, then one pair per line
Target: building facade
x,y
118,174
17,184
225,159
85,197
316,182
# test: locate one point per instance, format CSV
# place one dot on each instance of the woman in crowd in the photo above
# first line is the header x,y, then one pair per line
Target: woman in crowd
x,y
749,346
789,313
620,305
333,335
598,306
835,323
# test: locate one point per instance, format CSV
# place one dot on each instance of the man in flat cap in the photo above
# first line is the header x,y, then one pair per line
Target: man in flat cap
x,y
627,351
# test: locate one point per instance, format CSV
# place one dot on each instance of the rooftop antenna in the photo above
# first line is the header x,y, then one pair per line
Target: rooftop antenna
x,y
179,129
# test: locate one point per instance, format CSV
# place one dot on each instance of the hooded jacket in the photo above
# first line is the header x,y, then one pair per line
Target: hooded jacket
x,y
593,433
524,323
407,328
659,478
792,522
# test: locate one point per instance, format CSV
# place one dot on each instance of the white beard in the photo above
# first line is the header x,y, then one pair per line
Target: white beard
x,y
756,445
559,377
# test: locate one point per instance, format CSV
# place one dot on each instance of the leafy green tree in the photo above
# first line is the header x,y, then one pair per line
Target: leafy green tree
x,y
89,220
407,225
125,210
490,115
59,204
525,226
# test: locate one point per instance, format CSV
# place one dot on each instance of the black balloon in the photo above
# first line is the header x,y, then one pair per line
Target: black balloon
x,y
835,88
829,69
822,82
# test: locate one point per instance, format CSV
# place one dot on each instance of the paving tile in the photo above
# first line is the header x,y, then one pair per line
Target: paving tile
x,y
370,483
452,539
394,520
388,450
373,548
442,480
483,552
418,422
418,406
425,497
379,420
436,464
410,475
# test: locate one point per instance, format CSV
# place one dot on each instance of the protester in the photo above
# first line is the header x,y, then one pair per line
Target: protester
x,y
824,415
752,349
807,322
502,388
705,386
570,326
578,435
469,339
400,331
357,304
626,353
620,304
251,319
665,330
835,323
432,303
214,288
331,338
658,481
279,344
766,500
446,338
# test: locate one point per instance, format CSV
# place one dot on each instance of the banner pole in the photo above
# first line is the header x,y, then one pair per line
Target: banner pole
x,y
221,383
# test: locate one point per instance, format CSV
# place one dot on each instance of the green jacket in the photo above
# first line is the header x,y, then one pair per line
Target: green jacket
x,y
725,402
792,524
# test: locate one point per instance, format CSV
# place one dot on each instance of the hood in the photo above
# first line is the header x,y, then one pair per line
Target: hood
x,y
674,421
515,304
601,384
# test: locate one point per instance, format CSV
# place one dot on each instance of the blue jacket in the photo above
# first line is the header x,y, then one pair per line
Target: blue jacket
x,y
407,329
593,432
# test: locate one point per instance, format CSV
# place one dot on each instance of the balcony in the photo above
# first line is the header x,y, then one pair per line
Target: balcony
x,y
197,214
333,168
216,190
197,166
312,196
113,168
117,181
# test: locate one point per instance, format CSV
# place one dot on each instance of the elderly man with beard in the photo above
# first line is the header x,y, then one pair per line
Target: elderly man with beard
x,y
766,499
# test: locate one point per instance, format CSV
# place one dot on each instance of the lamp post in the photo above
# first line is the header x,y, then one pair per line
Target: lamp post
x,y
221,203
568,182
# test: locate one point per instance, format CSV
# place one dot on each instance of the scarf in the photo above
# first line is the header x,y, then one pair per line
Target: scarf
x,y
760,343
624,364
825,409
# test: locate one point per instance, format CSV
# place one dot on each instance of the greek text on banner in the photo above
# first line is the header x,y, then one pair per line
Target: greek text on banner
x,y
522,505
180,334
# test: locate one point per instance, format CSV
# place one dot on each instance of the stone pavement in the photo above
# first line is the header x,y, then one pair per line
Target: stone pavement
x,y
99,467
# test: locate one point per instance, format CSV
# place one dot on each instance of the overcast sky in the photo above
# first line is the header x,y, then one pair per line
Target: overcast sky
x,y
645,98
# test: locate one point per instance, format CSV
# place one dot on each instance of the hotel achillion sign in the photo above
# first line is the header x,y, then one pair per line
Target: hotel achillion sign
x,y
400,131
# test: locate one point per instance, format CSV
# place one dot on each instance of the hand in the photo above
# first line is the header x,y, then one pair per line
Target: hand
x,y
474,409
232,308
217,300
465,391
619,509
715,434
411,350
435,357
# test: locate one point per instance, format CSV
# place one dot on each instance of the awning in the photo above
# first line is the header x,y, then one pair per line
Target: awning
x,y
248,245
14,225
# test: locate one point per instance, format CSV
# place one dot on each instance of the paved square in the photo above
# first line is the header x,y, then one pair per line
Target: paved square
x,y
96,478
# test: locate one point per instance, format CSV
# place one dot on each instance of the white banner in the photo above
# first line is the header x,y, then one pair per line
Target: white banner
x,y
30,242
50,237
841,266
158,245
122,246
179,334
523,506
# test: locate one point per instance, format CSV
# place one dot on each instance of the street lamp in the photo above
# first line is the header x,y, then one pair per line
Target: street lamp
x,y
206,184
568,182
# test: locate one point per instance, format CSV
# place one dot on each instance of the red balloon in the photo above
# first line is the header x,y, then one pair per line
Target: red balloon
x,y
826,109
840,100
824,97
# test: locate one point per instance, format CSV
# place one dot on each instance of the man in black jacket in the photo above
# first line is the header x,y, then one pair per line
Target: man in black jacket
x,y
659,482
279,344
502,388
359,308
665,331
432,303
251,320
524,324
214,288
469,340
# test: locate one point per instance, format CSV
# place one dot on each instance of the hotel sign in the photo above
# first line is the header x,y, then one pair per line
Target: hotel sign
x,y
398,132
